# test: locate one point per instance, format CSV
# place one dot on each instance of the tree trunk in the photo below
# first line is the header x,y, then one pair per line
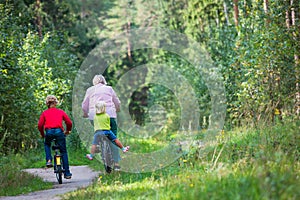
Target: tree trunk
x,y
287,19
128,42
236,12
266,10
226,13
294,17
83,13
290,20
245,8
38,18
266,2
217,18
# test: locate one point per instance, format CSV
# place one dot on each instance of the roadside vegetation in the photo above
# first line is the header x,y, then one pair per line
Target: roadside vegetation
x,y
243,164
254,46
259,163
14,181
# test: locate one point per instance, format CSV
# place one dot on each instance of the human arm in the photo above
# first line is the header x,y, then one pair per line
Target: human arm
x,y
116,101
41,124
68,123
85,104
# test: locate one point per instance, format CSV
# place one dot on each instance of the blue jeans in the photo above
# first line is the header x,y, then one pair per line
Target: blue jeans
x,y
108,133
58,134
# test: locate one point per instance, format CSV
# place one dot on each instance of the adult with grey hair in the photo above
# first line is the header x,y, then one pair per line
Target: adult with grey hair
x,y
100,91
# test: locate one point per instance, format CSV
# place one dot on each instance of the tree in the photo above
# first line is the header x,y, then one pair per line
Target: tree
x,y
236,12
31,68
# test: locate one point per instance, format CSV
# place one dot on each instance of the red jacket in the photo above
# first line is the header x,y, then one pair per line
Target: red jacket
x,y
52,118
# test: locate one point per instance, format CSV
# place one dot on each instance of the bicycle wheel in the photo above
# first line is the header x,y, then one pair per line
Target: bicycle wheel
x,y
106,154
58,168
59,174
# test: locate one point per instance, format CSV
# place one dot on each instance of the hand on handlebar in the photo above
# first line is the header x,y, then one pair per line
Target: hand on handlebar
x,y
67,132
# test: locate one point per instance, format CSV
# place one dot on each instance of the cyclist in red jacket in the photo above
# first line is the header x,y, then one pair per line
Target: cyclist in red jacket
x,y
51,122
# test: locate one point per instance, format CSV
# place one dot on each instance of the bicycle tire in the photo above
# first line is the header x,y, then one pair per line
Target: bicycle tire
x,y
59,174
106,155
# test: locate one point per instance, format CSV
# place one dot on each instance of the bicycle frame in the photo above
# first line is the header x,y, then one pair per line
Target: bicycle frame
x,y
57,158
58,167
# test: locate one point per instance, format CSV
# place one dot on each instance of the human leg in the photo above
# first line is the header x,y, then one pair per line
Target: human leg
x,y
61,142
95,142
47,146
111,136
114,148
93,149
119,144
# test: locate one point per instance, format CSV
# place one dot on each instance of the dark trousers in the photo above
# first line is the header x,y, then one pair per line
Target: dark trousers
x,y
58,134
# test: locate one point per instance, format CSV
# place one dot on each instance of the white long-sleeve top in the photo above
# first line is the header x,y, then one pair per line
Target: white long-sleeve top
x,y
101,92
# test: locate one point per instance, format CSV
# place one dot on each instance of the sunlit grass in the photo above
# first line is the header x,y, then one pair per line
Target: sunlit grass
x,y
240,164
13,181
244,164
145,145
11,171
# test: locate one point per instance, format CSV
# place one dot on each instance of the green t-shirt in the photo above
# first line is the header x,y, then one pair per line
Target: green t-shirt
x,y
101,122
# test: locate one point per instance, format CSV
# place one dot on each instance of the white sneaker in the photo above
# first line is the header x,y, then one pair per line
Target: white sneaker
x,y
89,156
125,149
117,168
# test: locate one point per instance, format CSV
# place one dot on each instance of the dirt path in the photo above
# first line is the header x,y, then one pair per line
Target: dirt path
x,y
82,177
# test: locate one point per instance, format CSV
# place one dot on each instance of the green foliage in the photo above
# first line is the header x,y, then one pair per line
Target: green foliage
x,y
256,58
12,166
31,68
11,174
265,59
253,164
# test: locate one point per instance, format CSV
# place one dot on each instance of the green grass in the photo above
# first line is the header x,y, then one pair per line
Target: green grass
x,y
13,181
144,145
243,164
11,171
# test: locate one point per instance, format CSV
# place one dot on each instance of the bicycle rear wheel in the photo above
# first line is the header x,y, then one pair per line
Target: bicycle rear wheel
x,y
106,154
59,174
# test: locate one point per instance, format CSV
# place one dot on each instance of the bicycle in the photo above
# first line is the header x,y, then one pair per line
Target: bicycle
x,y
106,153
58,164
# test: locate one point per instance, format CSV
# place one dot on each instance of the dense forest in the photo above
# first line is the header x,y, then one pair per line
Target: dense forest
x,y
253,44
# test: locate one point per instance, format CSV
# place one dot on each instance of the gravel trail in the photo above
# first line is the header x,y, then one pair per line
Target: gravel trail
x,y
82,177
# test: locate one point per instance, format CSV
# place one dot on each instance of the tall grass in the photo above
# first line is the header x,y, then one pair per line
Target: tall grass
x,y
14,181
243,164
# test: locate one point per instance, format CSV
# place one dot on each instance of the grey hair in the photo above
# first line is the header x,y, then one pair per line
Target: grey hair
x,y
99,79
